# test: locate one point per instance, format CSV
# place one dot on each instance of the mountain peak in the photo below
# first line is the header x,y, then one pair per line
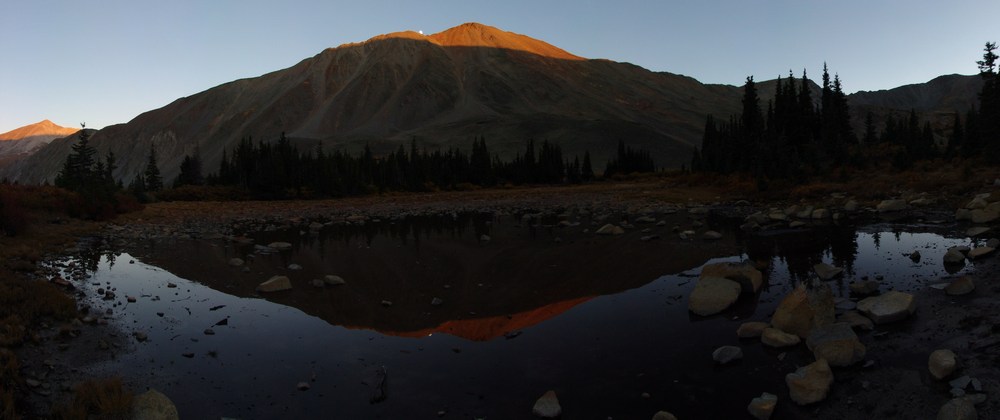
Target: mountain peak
x,y
474,34
44,128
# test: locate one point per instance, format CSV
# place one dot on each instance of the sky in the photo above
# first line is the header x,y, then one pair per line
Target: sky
x,y
104,62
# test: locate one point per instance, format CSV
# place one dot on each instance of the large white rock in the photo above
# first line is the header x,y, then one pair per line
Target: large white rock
x,y
547,406
776,338
712,295
810,383
954,256
333,280
942,363
749,278
836,343
275,284
153,405
804,309
889,307
762,407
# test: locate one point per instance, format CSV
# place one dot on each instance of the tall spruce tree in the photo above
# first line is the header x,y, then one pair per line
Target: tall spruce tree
x,y
153,181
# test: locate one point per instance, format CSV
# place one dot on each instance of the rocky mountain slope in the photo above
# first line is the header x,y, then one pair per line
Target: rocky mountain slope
x,y
443,90
446,89
20,143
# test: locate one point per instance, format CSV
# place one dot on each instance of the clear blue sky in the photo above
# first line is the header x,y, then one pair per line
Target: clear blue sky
x,y
105,62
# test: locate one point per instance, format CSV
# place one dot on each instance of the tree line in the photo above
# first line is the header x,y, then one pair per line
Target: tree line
x,y
797,137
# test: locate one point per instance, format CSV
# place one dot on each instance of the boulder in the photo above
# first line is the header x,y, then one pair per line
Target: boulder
x,y
953,256
333,280
749,278
922,202
805,213
976,231
751,329
958,409
235,262
915,256
275,284
547,406
810,383
610,229
960,286
836,343
942,363
826,271
711,235
777,216
153,405
888,307
664,415
851,206
727,354
986,215
856,320
980,251
796,224
963,214
863,287
977,203
712,295
993,243
891,205
280,246
776,338
804,309
821,214
762,407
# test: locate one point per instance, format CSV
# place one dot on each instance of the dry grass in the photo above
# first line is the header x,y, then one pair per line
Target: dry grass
x,y
97,399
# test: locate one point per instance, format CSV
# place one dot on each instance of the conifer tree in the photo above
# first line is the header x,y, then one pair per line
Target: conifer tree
x,y
153,181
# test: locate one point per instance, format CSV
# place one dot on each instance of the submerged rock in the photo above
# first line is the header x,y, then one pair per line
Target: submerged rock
x,y
727,354
889,307
547,406
856,320
836,343
826,271
333,280
762,407
810,383
942,363
275,284
749,278
712,295
863,287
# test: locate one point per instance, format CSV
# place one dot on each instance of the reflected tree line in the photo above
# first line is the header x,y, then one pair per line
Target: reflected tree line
x,y
801,250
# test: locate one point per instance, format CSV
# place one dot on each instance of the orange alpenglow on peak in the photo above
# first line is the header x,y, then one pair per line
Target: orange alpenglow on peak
x,y
483,36
41,128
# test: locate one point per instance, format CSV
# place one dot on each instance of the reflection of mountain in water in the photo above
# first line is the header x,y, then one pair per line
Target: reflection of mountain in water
x,y
518,278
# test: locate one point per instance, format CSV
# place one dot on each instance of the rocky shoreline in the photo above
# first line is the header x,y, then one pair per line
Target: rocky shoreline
x,y
867,381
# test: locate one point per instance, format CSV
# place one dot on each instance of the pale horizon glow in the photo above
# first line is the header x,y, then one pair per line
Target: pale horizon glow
x,y
105,62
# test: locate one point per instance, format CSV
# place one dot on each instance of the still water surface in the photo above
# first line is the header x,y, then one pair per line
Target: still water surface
x,y
589,317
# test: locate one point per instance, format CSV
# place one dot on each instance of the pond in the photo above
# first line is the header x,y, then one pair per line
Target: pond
x,y
472,326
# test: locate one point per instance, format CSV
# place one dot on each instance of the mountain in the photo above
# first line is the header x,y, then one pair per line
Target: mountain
x,y
443,90
20,143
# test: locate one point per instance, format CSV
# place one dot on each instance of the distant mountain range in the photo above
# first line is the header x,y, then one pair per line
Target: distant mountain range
x,y
444,90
